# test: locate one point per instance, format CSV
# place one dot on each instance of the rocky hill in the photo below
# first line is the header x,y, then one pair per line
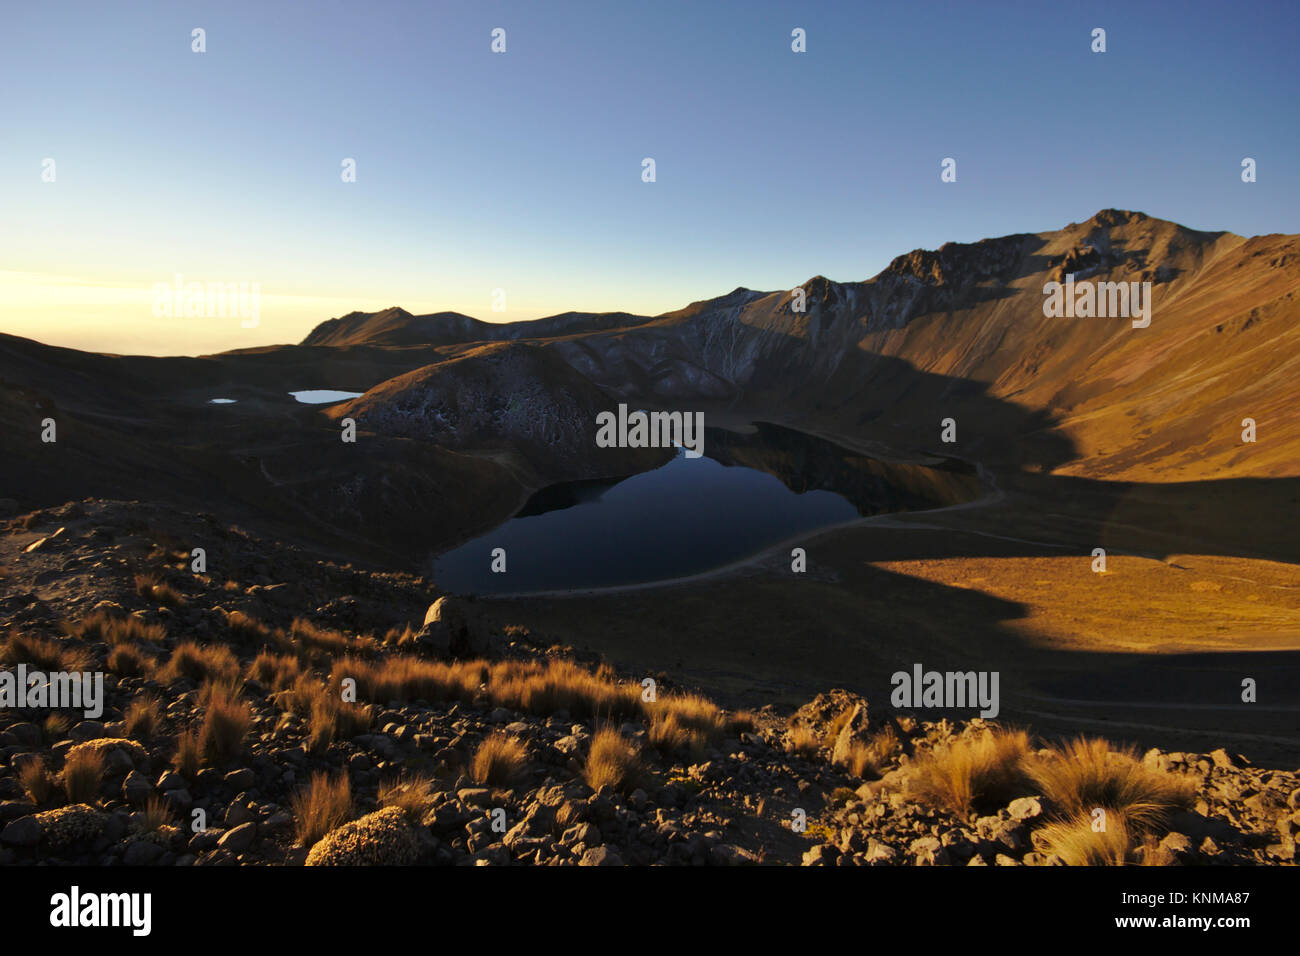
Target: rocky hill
x,y
961,332
396,326
228,737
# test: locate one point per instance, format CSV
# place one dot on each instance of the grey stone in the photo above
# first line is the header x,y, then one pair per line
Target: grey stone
x,y
25,831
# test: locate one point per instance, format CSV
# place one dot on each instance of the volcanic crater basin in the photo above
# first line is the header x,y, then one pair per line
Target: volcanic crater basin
x,y
752,489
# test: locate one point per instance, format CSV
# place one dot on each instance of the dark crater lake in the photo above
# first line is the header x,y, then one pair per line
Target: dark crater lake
x,y
749,491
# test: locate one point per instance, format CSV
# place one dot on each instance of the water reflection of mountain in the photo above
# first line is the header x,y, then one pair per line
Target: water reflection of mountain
x,y
567,495
804,462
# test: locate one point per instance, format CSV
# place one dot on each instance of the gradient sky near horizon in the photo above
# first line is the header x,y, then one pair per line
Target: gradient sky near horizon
x,y
522,170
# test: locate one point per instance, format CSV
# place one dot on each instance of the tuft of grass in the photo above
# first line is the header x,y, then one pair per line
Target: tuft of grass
x,y
1088,772
545,688
334,643
669,736
1076,842
37,781
83,773
498,761
153,588
803,741
102,627
402,678
973,772
188,759
742,722
155,815
276,671
55,727
198,663
867,758
226,720
613,761
411,793
329,717
143,717
321,806
246,628
40,653
126,660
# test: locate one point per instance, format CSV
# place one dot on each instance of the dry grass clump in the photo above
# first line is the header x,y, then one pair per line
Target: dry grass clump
x,y
402,678
411,793
613,761
275,671
802,741
188,759
545,688
399,637
246,629
128,661
39,653
866,758
37,781
499,760
143,717
322,805
972,772
198,663
697,714
1076,842
83,773
155,815
742,722
102,627
151,587
1088,773
670,738
329,717
55,727
333,643
226,721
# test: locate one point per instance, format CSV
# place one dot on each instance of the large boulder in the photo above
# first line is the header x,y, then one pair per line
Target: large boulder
x,y
453,627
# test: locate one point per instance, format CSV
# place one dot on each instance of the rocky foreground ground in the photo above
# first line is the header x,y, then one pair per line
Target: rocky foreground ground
x,y
230,736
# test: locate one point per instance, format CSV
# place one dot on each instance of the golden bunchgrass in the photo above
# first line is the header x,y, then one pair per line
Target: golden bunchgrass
x,y
83,772
613,761
200,662
37,781
320,806
498,760
982,770
143,717
1087,773
802,741
410,793
226,721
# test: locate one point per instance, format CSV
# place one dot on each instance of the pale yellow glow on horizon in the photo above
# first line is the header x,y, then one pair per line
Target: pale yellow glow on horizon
x,y
97,315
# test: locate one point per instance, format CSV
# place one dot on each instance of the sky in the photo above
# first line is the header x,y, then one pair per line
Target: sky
x,y
522,171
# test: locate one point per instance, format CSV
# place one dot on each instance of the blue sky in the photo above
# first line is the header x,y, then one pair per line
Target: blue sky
x,y
522,171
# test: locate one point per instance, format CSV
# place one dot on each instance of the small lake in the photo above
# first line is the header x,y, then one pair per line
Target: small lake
x,y
748,492
323,396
